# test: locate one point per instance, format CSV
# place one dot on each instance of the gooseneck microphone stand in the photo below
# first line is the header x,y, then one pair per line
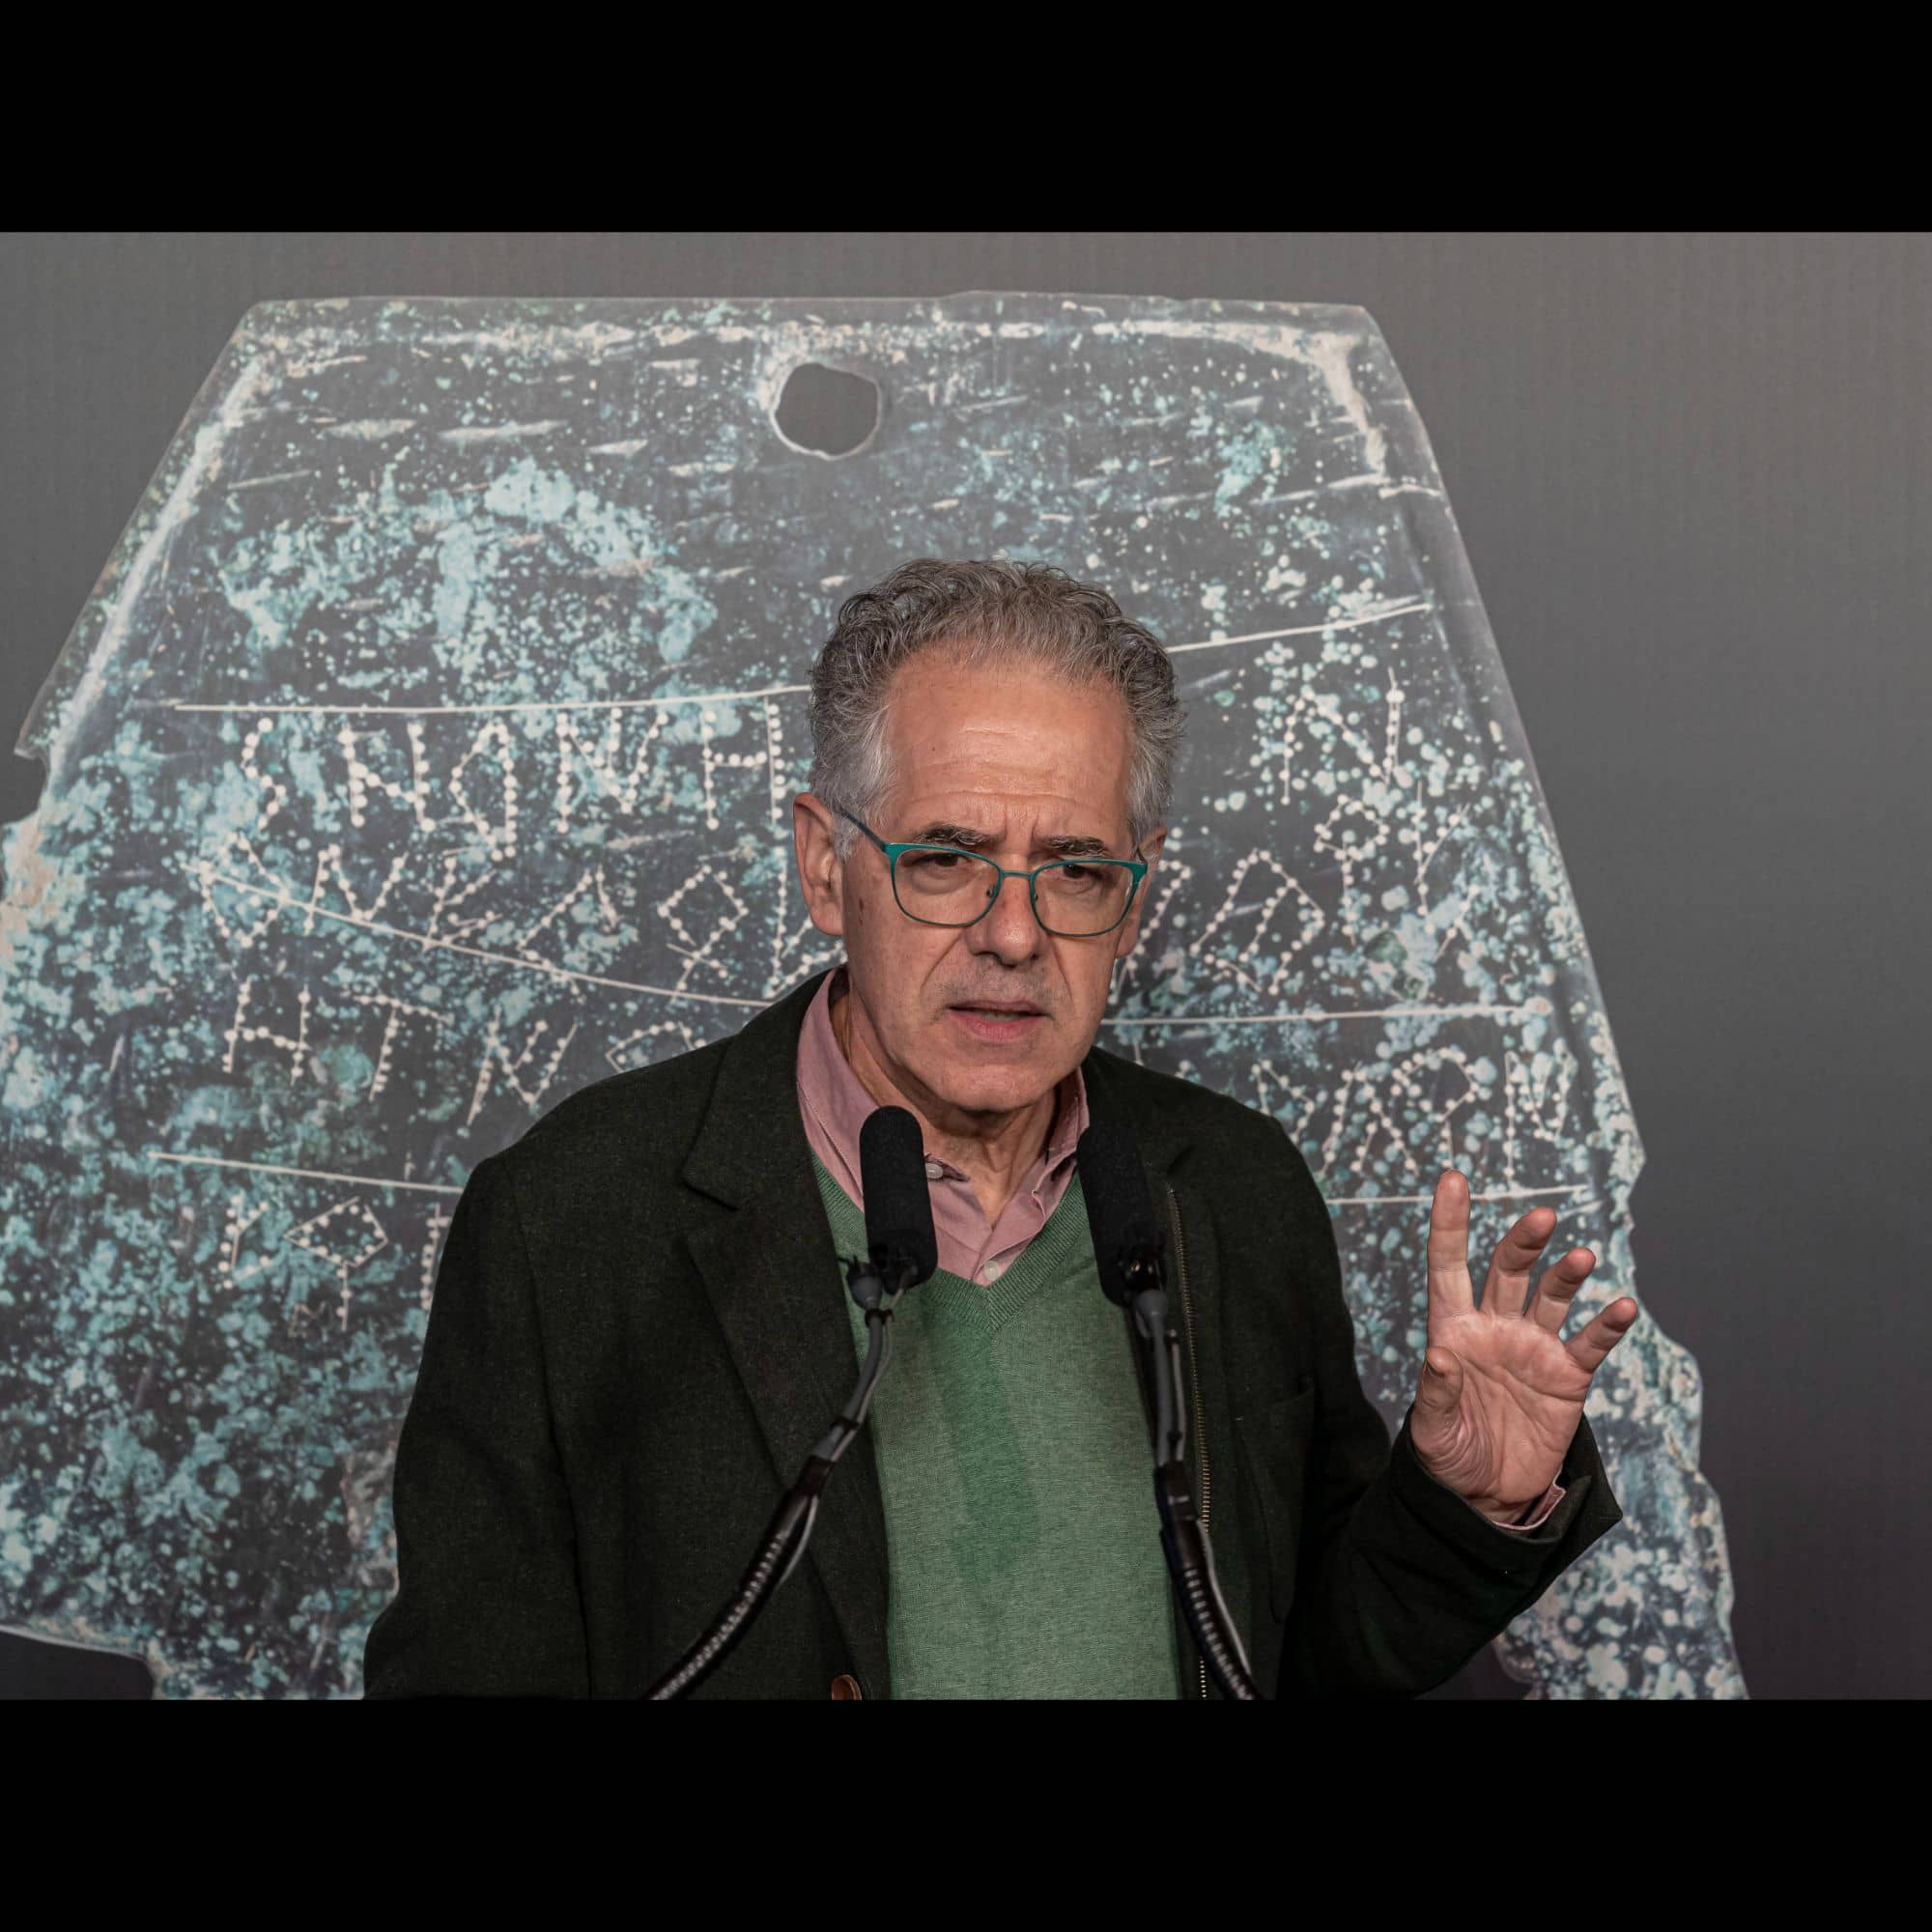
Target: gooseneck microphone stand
x,y
899,1232
1133,1262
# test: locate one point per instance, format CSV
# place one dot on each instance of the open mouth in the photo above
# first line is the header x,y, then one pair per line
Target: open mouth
x,y
999,1022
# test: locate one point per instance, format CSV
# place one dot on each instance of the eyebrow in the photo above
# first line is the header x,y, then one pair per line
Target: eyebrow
x,y
1066,844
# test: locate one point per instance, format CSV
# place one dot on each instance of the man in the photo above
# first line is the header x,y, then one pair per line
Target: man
x,y
640,1327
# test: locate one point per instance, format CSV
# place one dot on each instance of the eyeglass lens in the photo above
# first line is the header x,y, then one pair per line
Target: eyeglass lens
x,y
1078,897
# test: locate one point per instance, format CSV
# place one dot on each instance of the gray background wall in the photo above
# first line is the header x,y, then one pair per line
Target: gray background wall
x,y
1693,473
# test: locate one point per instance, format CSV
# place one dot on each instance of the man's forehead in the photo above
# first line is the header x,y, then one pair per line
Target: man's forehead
x,y
1004,709
1000,766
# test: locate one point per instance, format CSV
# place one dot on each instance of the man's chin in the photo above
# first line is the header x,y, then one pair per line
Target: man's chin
x,y
1000,1089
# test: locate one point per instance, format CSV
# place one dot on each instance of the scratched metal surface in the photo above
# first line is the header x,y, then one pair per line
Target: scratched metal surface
x,y
424,753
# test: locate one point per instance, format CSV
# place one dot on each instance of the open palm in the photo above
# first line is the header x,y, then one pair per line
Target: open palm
x,y
1501,1392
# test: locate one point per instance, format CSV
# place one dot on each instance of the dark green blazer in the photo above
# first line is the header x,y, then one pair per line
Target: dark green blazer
x,y
638,1333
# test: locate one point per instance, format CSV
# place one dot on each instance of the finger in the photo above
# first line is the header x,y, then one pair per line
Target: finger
x,y
1589,1349
1508,1279
1554,1292
1450,1291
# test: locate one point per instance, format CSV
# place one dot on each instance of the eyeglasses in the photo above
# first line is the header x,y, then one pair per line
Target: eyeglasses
x,y
1072,898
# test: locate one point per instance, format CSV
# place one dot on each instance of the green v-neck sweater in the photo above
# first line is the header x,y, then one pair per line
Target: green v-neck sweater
x,y
1022,1535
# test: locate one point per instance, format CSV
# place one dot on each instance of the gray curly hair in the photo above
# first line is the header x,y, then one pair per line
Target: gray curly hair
x,y
984,613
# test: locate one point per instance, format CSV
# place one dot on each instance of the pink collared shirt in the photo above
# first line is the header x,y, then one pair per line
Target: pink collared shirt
x,y
834,1104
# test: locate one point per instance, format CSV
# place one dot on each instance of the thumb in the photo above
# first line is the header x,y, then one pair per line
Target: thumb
x,y
1441,1381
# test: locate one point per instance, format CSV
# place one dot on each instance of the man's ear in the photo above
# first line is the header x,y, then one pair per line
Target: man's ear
x,y
1130,929
820,873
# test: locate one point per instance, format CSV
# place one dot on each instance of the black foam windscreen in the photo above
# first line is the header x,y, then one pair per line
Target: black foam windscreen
x,y
898,1209
1119,1211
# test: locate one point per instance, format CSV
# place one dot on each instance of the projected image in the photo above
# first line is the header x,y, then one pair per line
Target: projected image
x,y
425,753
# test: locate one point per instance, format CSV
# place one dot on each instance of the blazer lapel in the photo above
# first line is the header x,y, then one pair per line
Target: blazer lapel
x,y
779,1296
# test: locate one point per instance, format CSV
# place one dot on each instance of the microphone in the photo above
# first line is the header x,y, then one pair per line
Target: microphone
x,y
899,1205
1119,1213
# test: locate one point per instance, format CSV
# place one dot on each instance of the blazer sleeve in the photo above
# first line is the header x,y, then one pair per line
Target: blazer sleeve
x,y
1399,1580
488,1603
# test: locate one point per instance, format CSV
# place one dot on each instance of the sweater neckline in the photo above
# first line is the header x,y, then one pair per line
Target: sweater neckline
x,y
1062,1246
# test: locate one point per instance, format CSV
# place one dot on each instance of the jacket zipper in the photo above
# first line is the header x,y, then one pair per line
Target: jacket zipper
x,y
1193,1379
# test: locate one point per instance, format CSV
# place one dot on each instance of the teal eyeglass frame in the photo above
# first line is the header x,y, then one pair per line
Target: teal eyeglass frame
x,y
1138,867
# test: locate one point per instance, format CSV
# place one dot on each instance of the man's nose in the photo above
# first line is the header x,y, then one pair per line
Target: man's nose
x,y
1008,927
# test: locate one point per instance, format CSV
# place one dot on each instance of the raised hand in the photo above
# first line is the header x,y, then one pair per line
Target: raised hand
x,y
1501,1392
